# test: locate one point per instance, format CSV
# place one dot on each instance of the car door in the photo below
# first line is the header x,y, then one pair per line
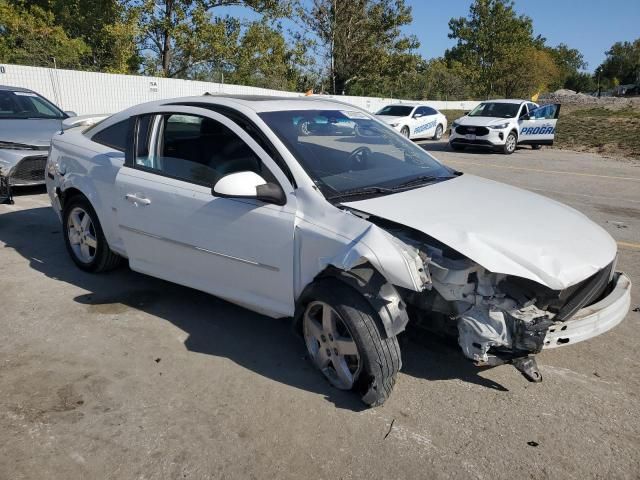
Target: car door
x,y
427,122
174,228
538,127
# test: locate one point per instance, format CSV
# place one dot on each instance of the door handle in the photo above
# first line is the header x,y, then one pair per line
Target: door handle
x,y
137,200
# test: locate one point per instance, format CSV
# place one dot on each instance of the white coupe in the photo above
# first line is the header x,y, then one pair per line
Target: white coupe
x,y
356,235
414,120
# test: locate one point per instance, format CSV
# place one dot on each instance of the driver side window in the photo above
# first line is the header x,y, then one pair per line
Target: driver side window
x,y
196,149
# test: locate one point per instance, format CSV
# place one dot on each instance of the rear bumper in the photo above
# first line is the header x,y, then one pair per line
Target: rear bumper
x,y
595,319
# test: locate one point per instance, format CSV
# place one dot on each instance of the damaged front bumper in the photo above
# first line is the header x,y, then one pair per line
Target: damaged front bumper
x,y
595,319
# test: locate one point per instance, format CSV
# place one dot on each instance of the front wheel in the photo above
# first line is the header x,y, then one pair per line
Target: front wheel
x,y
405,132
84,238
344,342
510,144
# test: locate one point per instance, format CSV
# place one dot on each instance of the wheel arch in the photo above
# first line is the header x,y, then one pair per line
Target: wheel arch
x,y
380,294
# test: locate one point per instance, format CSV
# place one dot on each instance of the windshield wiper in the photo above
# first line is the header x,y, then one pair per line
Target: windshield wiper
x,y
17,146
361,191
416,181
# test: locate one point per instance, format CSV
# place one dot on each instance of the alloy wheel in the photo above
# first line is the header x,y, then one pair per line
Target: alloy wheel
x,y
330,345
82,235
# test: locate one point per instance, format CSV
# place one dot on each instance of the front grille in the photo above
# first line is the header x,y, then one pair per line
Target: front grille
x,y
586,292
30,170
465,129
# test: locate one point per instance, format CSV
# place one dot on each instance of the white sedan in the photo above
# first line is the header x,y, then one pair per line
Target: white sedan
x,y
353,234
414,121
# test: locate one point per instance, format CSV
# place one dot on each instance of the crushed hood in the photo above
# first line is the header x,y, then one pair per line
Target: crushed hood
x,y
503,228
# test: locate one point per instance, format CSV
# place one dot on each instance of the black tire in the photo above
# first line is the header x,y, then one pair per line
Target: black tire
x,y
104,258
438,133
380,359
405,131
536,147
456,147
510,143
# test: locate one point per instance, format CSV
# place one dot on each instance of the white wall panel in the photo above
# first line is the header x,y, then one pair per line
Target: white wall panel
x,y
92,92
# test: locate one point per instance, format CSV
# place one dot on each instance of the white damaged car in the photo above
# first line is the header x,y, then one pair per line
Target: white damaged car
x,y
355,235
414,120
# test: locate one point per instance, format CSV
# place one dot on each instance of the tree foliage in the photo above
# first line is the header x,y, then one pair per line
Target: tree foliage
x,y
29,35
361,43
106,27
622,64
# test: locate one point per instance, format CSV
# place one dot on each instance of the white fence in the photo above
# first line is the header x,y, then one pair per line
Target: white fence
x,y
92,92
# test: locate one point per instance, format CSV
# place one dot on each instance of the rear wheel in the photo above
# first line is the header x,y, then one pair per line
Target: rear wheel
x,y
84,238
405,132
438,134
510,143
344,342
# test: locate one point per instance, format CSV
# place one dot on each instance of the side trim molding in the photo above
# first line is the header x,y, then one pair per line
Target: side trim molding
x,y
201,249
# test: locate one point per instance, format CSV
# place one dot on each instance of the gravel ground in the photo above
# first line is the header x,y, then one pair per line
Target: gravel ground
x,y
125,376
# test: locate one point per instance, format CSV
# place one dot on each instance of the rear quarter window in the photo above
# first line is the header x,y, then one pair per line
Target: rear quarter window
x,y
114,136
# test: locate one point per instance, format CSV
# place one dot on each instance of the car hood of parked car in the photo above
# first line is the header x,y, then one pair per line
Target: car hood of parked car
x,y
29,131
390,119
481,121
503,228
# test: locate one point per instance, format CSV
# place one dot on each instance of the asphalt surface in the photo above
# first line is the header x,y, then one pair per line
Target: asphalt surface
x,y
125,376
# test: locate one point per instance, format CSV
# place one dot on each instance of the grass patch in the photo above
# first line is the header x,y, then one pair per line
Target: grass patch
x,y
610,132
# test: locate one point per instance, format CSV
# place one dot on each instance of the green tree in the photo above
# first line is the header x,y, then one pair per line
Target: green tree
x,y
569,62
580,82
29,36
361,43
178,35
622,63
107,27
491,41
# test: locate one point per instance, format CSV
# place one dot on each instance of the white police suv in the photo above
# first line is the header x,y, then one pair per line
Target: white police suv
x,y
414,120
505,124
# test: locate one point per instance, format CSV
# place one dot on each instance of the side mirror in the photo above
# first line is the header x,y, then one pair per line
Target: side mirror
x,y
525,117
248,185
417,115
71,113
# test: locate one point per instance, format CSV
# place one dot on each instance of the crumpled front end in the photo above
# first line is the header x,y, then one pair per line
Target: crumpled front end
x,y
501,318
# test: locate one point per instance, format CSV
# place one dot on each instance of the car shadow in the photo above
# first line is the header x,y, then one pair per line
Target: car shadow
x,y
263,345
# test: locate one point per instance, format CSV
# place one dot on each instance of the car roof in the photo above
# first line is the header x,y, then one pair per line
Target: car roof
x,y
14,89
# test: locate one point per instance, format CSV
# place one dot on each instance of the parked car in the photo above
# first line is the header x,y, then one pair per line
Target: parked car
x,y
27,122
352,236
504,124
414,120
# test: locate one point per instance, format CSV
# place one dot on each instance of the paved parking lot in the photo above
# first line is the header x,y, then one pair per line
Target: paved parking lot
x,y
125,376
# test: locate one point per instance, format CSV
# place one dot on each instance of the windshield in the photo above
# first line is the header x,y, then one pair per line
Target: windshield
x,y
495,109
21,105
395,111
346,150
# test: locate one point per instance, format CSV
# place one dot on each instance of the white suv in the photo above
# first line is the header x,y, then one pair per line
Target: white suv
x,y
505,124
343,225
